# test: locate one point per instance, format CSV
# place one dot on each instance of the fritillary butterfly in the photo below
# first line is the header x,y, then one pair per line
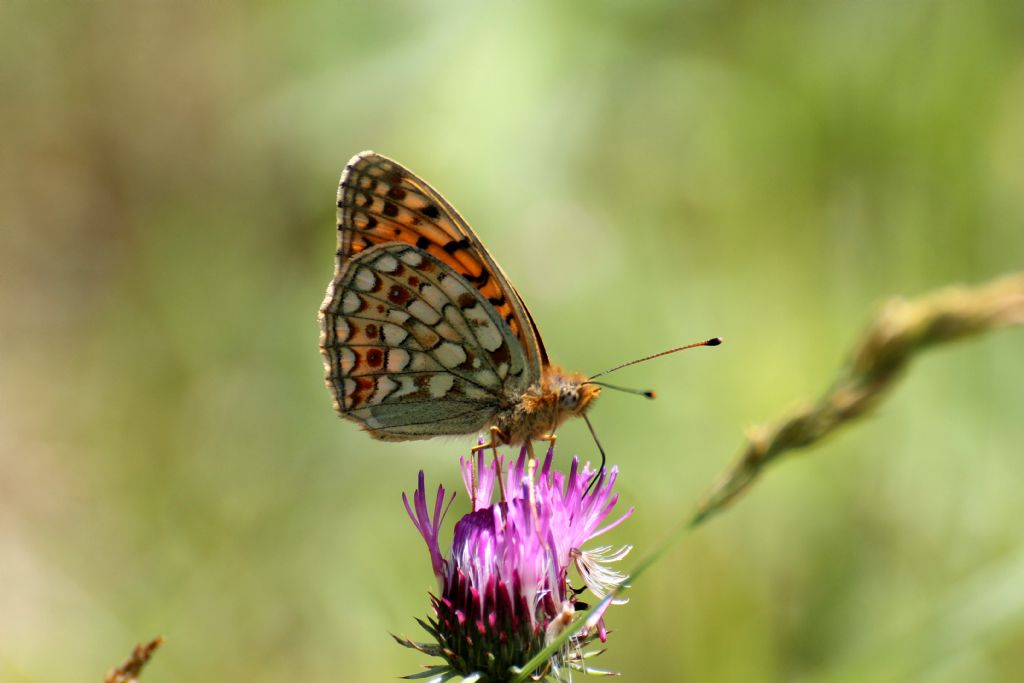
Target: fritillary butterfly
x,y
421,333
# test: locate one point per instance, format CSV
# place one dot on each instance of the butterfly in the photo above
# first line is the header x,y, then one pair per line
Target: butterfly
x,y
421,332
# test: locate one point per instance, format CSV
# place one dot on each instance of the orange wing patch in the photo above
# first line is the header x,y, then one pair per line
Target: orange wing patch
x,y
381,202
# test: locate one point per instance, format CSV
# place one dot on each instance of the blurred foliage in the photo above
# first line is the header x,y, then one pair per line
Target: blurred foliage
x,y
648,173
899,331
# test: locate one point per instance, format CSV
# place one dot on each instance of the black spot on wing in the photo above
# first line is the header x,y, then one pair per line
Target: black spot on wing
x,y
455,245
480,280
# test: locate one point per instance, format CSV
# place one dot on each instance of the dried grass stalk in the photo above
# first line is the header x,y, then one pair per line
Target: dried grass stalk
x,y
129,671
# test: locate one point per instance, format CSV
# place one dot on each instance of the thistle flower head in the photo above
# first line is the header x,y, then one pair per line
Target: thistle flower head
x,y
504,589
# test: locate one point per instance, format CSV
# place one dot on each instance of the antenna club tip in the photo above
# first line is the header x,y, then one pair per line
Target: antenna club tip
x,y
650,394
714,341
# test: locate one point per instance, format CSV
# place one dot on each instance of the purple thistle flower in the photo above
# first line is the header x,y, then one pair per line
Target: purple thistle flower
x,y
504,589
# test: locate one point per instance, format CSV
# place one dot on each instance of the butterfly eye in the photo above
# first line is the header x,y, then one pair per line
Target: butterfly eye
x,y
568,397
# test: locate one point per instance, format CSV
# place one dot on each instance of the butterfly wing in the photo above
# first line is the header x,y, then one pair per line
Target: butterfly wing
x,y
421,333
381,201
412,350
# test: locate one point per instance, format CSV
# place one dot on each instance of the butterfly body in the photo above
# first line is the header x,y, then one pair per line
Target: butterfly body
x,y
542,409
421,332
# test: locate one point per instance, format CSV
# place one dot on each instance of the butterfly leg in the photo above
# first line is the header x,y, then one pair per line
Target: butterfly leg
x,y
550,438
498,438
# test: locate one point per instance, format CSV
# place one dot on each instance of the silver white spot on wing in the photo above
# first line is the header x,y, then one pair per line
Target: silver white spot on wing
x,y
422,361
365,280
407,385
385,385
397,316
484,329
433,296
449,355
398,360
387,263
348,361
486,378
393,334
411,257
453,287
342,329
420,309
453,317
441,384
350,302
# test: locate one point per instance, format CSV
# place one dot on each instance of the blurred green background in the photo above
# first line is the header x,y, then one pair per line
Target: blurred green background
x,y
649,174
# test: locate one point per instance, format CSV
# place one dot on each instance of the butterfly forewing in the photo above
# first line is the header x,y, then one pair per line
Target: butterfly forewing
x,y
381,202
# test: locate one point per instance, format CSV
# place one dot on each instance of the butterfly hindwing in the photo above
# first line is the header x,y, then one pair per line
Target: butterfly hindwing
x,y
412,349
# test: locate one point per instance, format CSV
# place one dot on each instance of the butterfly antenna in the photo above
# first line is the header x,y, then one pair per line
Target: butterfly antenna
x,y
714,341
600,471
646,393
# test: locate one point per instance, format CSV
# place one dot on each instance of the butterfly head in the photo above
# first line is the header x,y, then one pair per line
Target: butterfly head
x,y
575,394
